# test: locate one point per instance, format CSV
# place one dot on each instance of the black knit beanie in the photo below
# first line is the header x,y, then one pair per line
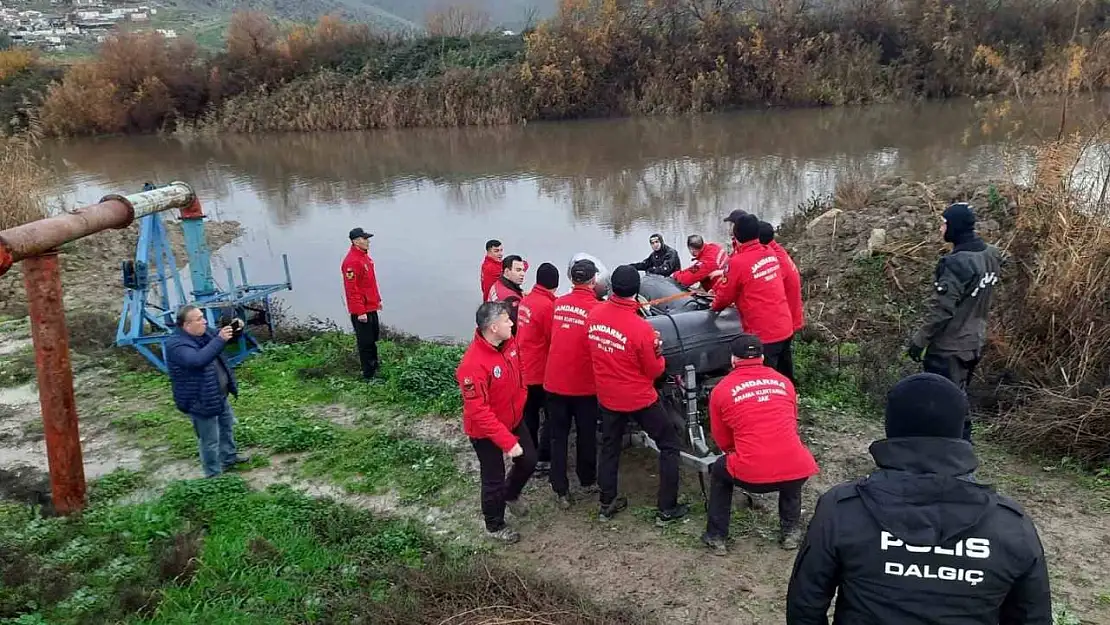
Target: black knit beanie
x,y
746,228
766,232
961,222
547,276
925,404
625,281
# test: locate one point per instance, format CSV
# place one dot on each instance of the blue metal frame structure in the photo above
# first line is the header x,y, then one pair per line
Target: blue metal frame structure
x,y
154,292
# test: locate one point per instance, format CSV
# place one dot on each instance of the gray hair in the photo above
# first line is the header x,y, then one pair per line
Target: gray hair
x,y
488,313
695,241
183,312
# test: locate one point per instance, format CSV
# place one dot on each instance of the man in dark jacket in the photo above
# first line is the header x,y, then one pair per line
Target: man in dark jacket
x,y
662,261
201,381
955,327
509,288
919,542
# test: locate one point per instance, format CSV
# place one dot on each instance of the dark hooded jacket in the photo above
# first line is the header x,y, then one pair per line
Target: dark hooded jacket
x,y
918,542
662,263
963,286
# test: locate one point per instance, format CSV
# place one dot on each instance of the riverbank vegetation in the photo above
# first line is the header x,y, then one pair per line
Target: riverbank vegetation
x,y
594,58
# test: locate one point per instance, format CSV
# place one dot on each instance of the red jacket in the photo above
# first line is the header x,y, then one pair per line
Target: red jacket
x,y
360,284
792,282
490,272
622,352
568,362
534,332
753,282
753,416
505,291
709,259
493,391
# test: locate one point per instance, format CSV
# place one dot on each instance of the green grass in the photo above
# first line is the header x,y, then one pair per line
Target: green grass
x,y
826,381
206,551
17,368
282,393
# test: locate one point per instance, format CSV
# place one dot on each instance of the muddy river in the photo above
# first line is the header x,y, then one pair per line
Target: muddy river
x,y
432,197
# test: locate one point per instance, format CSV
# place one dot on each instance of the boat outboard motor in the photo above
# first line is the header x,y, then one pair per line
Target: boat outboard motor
x,y
601,288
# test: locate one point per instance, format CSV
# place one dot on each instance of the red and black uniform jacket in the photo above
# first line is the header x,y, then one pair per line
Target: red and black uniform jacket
x,y
710,258
493,391
792,282
753,282
568,361
507,291
623,356
359,283
753,416
534,320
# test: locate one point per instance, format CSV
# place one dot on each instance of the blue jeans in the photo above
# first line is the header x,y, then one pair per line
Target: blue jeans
x,y
215,440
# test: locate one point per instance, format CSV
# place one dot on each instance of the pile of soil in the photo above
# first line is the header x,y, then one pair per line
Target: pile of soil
x,y
91,278
867,257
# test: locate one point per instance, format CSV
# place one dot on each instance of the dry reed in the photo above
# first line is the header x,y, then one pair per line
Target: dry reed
x,y
22,178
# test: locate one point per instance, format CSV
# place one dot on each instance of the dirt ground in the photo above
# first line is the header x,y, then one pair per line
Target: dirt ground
x,y
664,571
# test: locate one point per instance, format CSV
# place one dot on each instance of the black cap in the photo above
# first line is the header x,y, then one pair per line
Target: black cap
x,y
746,228
582,271
925,404
359,233
547,276
625,281
735,215
747,346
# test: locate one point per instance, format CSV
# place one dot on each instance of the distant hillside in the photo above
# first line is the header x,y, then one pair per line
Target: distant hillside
x,y
392,14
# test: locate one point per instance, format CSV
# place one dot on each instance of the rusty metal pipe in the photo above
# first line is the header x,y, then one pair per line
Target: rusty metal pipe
x,y
43,279
113,212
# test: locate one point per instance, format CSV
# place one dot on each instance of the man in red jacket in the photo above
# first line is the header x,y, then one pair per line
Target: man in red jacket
x,y
627,357
569,382
534,321
491,266
492,384
509,288
792,282
708,257
360,284
753,416
753,283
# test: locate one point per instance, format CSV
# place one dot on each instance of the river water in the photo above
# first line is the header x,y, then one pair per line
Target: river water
x,y
432,197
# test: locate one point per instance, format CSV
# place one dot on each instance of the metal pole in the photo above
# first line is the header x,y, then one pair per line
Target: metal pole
x,y
113,212
43,280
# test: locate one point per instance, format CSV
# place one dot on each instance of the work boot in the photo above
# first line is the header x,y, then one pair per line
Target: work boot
x,y
517,507
791,539
716,543
592,489
564,502
608,511
663,517
505,534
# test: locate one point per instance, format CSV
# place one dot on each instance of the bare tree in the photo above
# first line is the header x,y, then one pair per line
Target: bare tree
x,y
457,21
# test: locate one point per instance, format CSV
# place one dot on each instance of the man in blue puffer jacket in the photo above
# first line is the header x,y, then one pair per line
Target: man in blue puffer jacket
x,y
201,381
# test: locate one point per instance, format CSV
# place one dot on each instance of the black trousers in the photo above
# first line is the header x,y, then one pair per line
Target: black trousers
x,y
655,423
956,369
583,411
720,499
496,489
780,357
366,334
539,429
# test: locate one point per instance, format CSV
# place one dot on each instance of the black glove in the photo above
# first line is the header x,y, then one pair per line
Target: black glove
x,y
914,352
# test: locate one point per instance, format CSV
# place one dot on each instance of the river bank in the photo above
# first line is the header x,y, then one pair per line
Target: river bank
x,y
594,59
393,457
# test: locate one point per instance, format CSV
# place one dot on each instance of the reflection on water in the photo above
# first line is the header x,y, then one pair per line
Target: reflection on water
x,y
433,196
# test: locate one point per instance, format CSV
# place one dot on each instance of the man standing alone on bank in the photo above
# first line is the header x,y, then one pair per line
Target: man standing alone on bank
x,y
955,328
201,381
363,300
492,384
